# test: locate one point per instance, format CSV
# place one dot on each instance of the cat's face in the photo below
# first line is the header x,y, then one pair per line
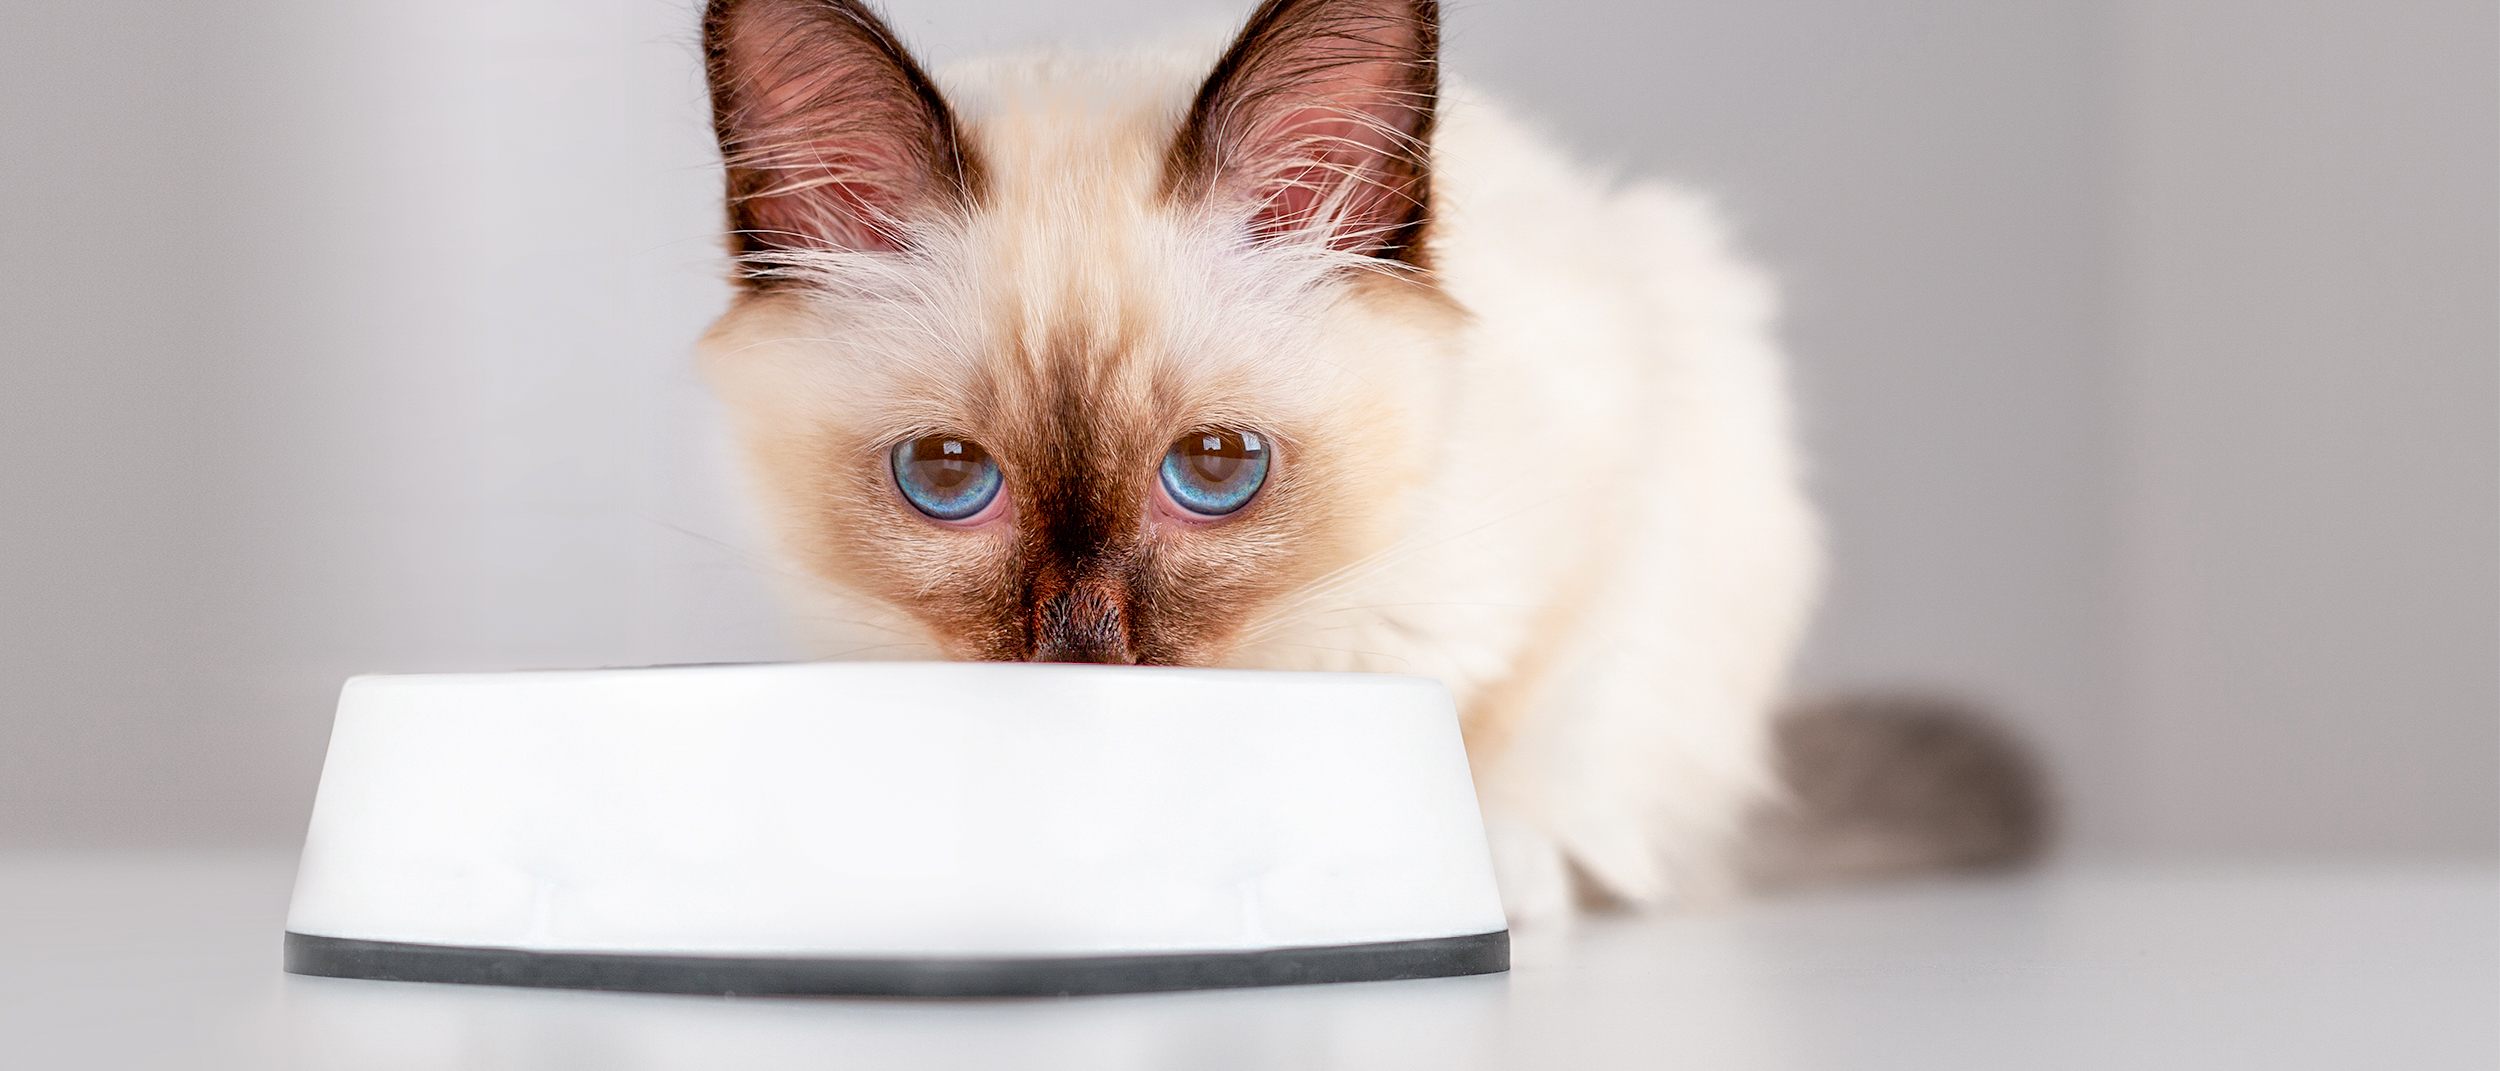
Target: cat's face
x,y
1079,377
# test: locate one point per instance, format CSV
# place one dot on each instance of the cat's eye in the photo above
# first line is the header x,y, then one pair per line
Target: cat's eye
x,y
946,477
1215,471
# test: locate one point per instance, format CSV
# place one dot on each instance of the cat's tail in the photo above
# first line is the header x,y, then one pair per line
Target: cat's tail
x,y
1893,785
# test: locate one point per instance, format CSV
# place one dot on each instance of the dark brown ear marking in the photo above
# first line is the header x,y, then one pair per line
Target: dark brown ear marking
x,y
833,136
1319,118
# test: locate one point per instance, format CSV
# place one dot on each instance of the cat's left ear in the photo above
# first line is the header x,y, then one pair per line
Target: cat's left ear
x,y
1317,124
833,136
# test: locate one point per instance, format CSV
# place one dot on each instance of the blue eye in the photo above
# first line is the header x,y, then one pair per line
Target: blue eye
x,y
946,477
1214,472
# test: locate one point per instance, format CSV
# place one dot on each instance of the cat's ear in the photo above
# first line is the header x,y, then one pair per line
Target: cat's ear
x,y
1317,123
833,136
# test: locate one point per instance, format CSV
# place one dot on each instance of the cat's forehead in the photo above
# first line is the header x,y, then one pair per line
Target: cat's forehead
x,y
1075,281
1015,328
1138,338
1072,219
1075,268
1038,120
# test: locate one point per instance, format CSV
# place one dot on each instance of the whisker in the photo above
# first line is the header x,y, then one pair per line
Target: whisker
x,y
1337,650
1339,580
874,647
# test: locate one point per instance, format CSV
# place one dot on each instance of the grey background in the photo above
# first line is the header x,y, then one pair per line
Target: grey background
x,y
2151,354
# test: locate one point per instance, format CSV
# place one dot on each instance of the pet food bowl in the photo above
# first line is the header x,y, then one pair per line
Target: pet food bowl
x,y
895,829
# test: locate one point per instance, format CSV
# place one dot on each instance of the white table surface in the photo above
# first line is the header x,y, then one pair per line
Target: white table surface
x,y
171,961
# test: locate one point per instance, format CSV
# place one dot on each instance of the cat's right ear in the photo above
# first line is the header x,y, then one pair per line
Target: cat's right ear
x,y
834,138
1317,124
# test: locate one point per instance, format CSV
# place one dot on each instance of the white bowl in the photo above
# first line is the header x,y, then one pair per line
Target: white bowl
x,y
925,829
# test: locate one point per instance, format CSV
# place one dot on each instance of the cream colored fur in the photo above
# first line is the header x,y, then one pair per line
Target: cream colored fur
x,y
1564,484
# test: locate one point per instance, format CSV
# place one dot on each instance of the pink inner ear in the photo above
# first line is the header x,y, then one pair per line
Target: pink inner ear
x,y
1330,167
846,215
1316,120
829,131
809,200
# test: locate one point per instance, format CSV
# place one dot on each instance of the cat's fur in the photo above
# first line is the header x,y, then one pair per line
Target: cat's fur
x,y
1533,437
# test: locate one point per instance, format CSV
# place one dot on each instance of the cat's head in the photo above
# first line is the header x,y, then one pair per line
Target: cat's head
x,y
1102,362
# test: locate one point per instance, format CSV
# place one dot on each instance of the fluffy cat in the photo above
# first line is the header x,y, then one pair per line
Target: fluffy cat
x,y
1284,358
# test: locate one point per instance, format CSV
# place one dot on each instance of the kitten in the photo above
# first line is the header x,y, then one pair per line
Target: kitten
x,y
1293,361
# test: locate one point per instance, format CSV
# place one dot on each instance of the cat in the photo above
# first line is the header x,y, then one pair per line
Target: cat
x,y
1286,357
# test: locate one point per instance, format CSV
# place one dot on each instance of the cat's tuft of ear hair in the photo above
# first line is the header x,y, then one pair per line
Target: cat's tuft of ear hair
x,y
1315,127
1317,124
833,136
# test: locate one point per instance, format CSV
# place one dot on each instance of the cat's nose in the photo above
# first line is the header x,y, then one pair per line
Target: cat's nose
x,y
1082,623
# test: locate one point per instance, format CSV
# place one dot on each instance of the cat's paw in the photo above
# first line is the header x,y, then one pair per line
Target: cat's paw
x,y
1529,866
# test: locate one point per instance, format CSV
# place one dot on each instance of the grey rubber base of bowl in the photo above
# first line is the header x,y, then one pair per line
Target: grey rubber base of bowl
x,y
1442,957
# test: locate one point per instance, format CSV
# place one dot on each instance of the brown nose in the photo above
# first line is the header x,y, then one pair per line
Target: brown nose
x,y
1082,623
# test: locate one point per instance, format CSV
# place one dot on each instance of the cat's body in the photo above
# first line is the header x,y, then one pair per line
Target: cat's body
x,y
1528,429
